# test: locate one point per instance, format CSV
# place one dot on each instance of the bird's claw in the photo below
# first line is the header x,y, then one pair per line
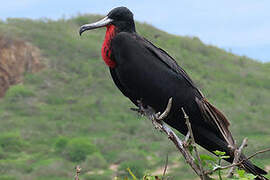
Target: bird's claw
x,y
138,110
156,118
141,110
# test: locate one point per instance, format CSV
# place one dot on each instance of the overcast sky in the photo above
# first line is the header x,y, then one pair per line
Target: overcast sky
x,y
243,26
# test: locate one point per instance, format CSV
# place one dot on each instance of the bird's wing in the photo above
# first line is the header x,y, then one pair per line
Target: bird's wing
x,y
212,116
216,119
169,61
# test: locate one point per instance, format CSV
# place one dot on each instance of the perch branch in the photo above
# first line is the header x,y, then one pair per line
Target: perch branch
x,y
157,120
190,133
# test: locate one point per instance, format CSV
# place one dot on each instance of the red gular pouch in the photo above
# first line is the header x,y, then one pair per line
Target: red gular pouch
x,y
106,47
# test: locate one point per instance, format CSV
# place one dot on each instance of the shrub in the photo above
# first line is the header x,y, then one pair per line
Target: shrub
x,y
2,155
78,148
61,144
18,91
105,176
11,142
96,160
54,99
137,167
4,177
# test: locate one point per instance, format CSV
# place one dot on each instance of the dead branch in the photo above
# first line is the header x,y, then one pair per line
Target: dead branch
x,y
222,168
157,120
166,166
190,133
237,154
78,170
258,152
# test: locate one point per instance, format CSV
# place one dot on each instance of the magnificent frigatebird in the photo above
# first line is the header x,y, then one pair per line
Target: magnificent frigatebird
x,y
147,73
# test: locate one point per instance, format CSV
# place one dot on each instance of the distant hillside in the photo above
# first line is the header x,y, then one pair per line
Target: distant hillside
x,y
71,112
17,58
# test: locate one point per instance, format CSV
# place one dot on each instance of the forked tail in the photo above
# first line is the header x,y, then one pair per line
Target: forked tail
x,y
251,168
217,121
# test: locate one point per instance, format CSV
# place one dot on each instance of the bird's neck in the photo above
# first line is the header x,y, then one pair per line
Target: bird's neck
x,y
106,51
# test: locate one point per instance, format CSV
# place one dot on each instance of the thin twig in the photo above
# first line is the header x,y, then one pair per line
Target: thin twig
x,y
237,154
223,167
258,152
193,143
166,165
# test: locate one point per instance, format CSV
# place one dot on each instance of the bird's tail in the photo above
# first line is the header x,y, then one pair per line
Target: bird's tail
x,y
251,168
215,118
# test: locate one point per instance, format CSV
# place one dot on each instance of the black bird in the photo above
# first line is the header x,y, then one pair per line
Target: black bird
x,y
147,73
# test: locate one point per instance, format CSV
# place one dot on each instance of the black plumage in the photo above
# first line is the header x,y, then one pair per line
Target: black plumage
x,y
145,72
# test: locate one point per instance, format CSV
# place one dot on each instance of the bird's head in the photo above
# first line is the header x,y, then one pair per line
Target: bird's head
x,y
120,17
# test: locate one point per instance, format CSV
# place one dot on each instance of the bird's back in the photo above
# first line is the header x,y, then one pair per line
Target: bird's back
x,y
143,73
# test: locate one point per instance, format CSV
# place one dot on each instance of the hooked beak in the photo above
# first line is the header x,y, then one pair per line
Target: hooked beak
x,y
103,22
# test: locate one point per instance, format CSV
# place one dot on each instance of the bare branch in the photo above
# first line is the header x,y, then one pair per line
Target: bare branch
x,y
157,120
166,165
258,152
223,167
167,110
190,132
78,170
237,154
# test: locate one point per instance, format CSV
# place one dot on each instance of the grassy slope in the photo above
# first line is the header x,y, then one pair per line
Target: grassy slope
x,y
75,100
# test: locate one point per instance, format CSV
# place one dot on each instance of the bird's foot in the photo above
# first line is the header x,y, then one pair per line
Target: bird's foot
x,y
148,111
141,109
138,110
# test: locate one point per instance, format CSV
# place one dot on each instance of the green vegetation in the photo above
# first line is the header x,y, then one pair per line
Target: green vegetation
x,y
71,112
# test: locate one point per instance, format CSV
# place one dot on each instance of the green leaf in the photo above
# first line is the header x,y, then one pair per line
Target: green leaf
x,y
219,153
250,176
205,157
241,173
224,157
